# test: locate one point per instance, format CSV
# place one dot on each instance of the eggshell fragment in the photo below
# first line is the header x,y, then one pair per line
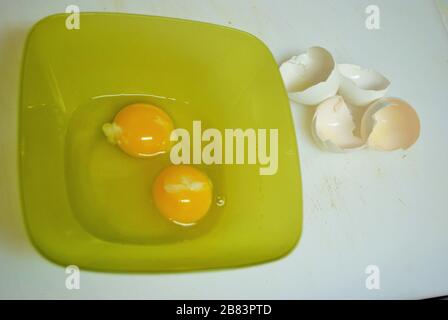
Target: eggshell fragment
x,y
390,124
360,86
311,77
333,126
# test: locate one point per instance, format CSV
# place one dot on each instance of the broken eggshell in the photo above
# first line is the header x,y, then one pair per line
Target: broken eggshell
x,y
333,126
360,86
390,124
311,77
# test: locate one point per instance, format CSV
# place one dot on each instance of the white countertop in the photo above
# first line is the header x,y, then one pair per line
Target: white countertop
x,y
363,208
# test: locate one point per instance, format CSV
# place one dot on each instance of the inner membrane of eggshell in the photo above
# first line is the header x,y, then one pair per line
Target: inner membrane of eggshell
x,y
396,126
334,122
306,70
366,79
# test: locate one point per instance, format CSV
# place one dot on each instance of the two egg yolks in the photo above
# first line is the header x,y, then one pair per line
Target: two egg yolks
x,y
182,193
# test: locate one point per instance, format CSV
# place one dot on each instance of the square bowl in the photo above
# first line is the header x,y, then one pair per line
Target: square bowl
x,y
85,203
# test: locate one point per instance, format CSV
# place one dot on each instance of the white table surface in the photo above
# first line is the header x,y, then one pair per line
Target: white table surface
x,y
362,208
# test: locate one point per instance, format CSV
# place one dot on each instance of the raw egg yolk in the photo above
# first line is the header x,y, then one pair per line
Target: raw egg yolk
x,y
183,194
141,130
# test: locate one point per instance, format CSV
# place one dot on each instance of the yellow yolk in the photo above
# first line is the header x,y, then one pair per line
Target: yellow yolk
x,y
183,194
141,130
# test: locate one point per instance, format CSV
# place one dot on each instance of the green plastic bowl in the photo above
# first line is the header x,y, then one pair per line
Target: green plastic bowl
x,y
86,203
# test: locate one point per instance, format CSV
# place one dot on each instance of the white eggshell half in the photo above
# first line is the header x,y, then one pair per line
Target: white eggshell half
x,y
360,86
311,77
390,124
333,126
